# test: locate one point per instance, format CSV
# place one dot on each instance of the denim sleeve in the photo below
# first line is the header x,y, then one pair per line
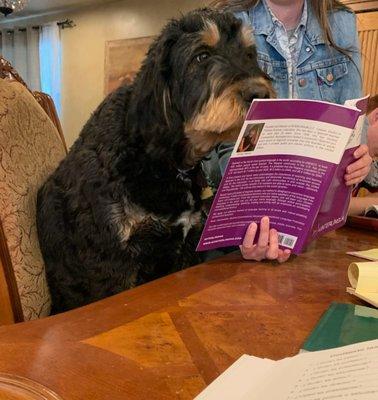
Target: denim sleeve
x,y
351,42
344,32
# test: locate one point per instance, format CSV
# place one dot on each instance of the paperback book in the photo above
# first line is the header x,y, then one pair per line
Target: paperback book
x,y
348,372
288,164
343,324
363,279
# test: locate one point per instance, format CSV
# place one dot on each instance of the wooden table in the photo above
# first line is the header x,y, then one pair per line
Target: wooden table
x,y
170,338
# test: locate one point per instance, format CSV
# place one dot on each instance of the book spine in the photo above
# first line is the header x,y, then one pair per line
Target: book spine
x,y
334,210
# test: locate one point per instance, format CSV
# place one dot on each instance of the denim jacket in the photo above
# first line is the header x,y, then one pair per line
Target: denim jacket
x,y
322,72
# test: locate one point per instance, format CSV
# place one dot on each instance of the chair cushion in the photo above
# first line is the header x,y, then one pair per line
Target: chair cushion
x,y
30,150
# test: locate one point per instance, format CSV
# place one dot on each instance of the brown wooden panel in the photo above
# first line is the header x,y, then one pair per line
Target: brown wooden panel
x,y
6,311
10,306
368,34
362,5
367,21
47,103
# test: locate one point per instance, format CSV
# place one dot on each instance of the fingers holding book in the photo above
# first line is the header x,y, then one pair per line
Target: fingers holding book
x,y
266,246
357,171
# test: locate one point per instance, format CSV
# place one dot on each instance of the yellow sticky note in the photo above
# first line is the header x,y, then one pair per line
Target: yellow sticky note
x,y
363,278
371,254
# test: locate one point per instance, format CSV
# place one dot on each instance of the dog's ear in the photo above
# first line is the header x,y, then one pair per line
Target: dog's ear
x,y
163,68
152,84
163,48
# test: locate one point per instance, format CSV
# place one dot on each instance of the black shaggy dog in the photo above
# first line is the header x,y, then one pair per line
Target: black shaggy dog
x,y
122,208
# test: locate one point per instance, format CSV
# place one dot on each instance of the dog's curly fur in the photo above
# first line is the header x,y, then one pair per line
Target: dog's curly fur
x,y
122,209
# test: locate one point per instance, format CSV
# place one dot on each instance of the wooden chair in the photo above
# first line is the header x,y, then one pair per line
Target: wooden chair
x,y
31,147
45,101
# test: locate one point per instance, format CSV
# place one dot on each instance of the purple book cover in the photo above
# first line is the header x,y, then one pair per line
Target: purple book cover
x,y
282,166
334,209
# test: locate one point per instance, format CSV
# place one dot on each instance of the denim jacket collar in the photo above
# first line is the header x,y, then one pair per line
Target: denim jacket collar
x,y
263,24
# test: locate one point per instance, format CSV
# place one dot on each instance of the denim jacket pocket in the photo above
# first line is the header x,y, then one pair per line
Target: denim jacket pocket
x,y
330,80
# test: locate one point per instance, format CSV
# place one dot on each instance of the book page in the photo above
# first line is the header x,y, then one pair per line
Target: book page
x,y
344,373
371,254
367,312
370,298
362,105
349,372
238,379
282,165
363,278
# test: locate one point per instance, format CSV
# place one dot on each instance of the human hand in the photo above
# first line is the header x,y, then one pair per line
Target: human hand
x,y
357,171
267,244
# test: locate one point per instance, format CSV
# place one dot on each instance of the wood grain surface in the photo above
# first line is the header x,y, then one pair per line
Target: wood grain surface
x,y
172,337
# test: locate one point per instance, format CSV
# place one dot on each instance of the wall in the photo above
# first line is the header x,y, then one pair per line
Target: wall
x,y
83,49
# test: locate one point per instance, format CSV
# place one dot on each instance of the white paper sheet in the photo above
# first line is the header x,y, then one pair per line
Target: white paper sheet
x,y
349,372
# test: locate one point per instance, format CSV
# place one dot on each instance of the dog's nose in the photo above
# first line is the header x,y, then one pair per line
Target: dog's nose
x,y
260,92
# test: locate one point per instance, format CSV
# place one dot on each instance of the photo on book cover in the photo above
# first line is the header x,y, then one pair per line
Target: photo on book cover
x,y
250,138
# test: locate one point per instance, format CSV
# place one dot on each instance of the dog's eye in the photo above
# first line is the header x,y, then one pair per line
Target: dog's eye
x,y
202,57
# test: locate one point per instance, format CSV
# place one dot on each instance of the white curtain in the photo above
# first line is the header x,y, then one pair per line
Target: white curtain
x,y
7,41
21,48
34,78
50,62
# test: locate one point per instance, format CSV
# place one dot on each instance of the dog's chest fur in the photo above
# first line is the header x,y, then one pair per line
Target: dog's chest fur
x,y
126,217
143,186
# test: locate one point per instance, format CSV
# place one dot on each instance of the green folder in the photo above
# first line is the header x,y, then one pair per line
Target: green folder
x,y
343,324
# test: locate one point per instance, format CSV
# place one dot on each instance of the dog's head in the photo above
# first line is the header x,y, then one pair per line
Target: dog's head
x,y
199,79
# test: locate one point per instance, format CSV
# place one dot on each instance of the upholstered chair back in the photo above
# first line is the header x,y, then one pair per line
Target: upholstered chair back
x,y
30,150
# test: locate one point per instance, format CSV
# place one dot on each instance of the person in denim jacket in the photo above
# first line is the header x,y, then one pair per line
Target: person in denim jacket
x,y
310,50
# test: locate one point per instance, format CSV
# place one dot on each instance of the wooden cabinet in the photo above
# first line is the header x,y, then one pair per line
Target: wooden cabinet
x,y
368,32
367,23
362,5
